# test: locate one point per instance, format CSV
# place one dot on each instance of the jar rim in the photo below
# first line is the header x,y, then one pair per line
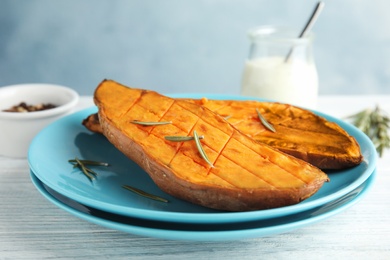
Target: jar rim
x,y
278,34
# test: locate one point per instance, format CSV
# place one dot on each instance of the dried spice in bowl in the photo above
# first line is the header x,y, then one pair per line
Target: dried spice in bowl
x,y
24,107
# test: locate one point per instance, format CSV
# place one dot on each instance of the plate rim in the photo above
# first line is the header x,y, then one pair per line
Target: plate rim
x,y
218,217
217,235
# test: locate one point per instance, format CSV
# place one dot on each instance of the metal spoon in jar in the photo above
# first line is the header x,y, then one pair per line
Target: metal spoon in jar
x,y
309,24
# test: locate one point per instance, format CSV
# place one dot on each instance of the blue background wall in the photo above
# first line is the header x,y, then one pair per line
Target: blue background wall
x,y
185,46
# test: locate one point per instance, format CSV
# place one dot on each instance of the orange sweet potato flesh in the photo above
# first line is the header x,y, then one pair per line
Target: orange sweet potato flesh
x,y
299,132
246,174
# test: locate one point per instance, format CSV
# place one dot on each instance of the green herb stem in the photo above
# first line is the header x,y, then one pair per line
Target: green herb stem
x,y
267,125
200,149
89,162
87,172
144,194
175,138
151,123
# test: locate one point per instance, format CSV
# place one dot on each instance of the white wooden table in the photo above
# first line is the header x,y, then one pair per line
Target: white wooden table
x,y
33,228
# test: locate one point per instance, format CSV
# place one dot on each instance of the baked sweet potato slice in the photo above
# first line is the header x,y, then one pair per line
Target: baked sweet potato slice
x,y
244,175
299,132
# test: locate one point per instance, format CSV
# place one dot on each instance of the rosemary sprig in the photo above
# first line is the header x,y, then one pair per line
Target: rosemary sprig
x,y
87,172
375,124
89,162
200,149
90,174
144,194
176,138
267,125
151,123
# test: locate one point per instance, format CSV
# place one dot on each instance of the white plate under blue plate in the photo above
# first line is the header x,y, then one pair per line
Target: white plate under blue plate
x,y
67,138
205,232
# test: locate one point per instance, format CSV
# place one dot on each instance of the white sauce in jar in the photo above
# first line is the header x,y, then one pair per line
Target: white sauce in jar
x,y
294,82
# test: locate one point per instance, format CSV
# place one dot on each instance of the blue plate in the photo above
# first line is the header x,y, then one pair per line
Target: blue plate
x,y
204,232
67,138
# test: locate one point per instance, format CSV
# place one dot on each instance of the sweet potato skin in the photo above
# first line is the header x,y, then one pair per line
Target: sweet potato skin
x,y
92,123
221,198
203,186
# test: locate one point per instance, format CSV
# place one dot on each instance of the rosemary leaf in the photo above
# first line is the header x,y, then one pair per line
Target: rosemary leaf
x,y
151,123
175,138
265,122
90,171
90,175
89,162
144,194
200,149
76,165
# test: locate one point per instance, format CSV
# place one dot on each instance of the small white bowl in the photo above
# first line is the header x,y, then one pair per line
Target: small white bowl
x,y
17,129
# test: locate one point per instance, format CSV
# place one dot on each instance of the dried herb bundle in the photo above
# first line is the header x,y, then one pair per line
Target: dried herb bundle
x,y
375,124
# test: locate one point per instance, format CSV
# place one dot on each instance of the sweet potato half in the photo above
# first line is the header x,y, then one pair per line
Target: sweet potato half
x,y
243,174
299,132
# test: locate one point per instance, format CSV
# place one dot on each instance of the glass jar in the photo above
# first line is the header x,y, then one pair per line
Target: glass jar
x,y
280,67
